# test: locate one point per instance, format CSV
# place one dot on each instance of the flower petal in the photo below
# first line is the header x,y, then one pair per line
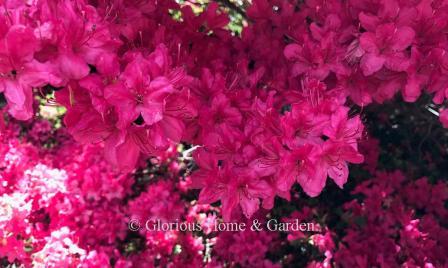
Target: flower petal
x,y
371,63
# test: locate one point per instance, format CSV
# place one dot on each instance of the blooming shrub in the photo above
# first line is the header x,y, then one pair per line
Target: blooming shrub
x,y
199,110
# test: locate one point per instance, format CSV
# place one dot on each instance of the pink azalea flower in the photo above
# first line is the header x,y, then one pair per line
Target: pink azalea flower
x,y
138,93
20,72
301,125
343,129
82,120
316,60
269,163
219,112
231,187
83,40
336,156
386,48
416,78
301,165
124,147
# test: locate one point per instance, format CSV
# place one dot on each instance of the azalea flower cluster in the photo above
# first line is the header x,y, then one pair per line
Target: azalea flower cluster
x,y
395,225
55,200
386,226
265,109
389,220
63,205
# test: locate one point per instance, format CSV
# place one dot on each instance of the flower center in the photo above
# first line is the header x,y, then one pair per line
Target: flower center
x,y
139,98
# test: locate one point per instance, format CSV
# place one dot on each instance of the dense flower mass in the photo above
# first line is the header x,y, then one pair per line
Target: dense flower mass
x,y
63,205
268,108
252,104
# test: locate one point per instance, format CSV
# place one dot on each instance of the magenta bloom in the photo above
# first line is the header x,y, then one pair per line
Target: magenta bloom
x,y
230,186
314,59
386,47
301,125
301,165
342,146
141,90
19,72
336,156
